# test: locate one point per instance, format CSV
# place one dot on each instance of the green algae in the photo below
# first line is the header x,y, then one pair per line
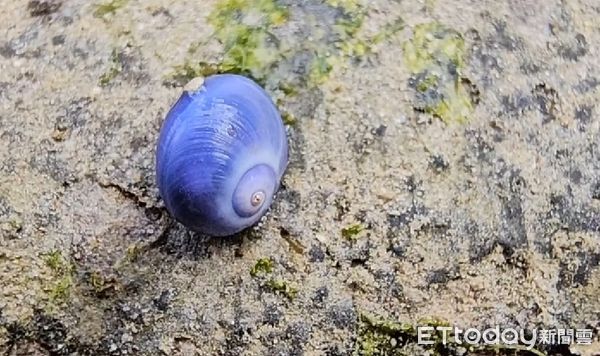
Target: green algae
x,y
54,260
376,336
256,43
353,15
430,5
433,44
114,69
351,232
282,287
244,28
288,118
436,58
134,251
184,73
59,288
262,266
102,284
429,81
320,68
109,7
348,5
389,30
351,44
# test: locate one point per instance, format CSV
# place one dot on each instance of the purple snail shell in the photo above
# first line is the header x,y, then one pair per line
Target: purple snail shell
x,y
221,154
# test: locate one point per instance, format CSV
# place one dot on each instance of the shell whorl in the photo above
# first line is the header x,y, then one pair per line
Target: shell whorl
x,y
253,190
221,155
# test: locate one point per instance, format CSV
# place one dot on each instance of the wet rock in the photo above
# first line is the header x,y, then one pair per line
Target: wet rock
x,y
586,85
397,221
547,101
440,204
583,115
513,234
502,38
388,284
342,315
316,254
320,296
573,216
272,314
574,50
515,104
298,334
58,40
441,276
163,301
439,164
596,191
19,46
43,7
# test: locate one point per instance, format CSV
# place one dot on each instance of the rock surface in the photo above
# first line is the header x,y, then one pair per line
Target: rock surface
x,y
464,189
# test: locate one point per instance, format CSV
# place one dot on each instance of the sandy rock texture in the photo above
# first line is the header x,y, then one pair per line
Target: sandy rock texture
x,y
444,169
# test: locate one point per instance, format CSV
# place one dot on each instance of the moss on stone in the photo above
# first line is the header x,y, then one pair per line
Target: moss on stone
x,y
433,44
384,337
262,266
133,252
347,5
54,260
109,8
102,284
115,67
244,28
377,337
435,56
320,68
253,46
352,231
282,287
58,289
288,118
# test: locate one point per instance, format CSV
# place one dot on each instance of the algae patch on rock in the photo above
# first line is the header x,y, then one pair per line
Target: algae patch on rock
x,y
262,270
284,47
376,336
243,27
262,266
109,8
435,57
114,69
282,287
351,232
59,289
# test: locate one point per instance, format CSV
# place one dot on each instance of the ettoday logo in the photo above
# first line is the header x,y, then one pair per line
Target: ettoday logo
x,y
428,335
